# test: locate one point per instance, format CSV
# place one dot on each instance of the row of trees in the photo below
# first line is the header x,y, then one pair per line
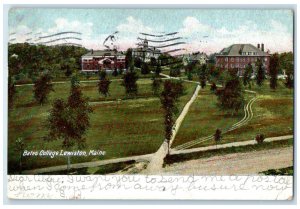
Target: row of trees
x,y
278,64
26,61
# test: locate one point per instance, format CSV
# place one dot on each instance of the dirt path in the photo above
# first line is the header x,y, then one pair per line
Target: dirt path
x,y
88,164
156,162
233,144
235,164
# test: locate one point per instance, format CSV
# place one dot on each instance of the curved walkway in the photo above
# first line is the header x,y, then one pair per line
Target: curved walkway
x,y
248,116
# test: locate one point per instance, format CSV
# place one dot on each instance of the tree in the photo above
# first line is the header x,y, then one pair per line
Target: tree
x,y
289,83
172,91
247,75
115,72
203,75
189,75
213,87
129,82
68,66
175,72
224,76
274,65
11,92
42,87
260,75
217,136
231,97
157,70
103,84
20,147
213,72
145,68
153,61
138,62
156,85
259,138
69,121
129,62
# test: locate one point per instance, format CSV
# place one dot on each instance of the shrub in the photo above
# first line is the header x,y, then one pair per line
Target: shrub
x,y
259,138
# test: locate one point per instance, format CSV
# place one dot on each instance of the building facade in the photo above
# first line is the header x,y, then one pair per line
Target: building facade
x,y
102,60
198,57
144,52
238,56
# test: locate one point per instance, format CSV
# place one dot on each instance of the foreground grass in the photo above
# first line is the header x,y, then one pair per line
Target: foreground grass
x,y
122,129
273,116
100,170
170,159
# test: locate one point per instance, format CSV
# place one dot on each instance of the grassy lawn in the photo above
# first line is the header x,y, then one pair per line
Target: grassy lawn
x,y
84,77
127,128
100,170
273,116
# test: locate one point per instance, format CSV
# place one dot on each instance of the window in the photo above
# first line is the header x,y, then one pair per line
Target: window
x,y
232,59
237,59
226,59
232,66
237,65
249,53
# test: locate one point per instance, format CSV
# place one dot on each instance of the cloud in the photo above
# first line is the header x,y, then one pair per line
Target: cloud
x,y
192,25
276,37
133,26
23,32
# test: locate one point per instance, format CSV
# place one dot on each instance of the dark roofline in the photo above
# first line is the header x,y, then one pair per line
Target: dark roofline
x,y
228,50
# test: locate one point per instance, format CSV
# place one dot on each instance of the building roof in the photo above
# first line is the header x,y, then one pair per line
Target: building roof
x,y
238,49
150,50
198,56
103,53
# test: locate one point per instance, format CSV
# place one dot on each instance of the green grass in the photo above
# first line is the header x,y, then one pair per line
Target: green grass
x,y
203,118
82,76
289,171
170,159
273,116
100,170
127,128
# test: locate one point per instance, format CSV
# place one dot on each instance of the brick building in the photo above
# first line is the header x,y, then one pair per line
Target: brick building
x,y
240,55
102,59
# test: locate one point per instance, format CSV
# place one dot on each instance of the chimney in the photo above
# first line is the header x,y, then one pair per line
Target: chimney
x,y
258,46
263,47
92,52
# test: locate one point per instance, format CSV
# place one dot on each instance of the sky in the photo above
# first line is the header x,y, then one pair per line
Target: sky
x,y
204,30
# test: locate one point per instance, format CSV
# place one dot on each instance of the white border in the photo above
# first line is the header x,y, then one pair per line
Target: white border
x,y
217,3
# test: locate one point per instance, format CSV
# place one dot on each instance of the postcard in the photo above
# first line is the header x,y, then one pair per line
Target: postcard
x,y
111,103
